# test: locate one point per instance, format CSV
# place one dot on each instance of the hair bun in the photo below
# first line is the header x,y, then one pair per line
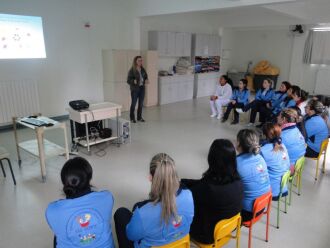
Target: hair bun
x,y
69,191
254,149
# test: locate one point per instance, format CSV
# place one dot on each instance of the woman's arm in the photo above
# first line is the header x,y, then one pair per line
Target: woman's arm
x,y
131,77
134,229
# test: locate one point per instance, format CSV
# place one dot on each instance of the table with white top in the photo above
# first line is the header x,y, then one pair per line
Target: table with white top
x,y
41,147
96,112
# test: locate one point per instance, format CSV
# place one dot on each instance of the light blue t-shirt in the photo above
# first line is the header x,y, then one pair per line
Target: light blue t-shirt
x,y
254,175
294,142
316,131
146,228
277,164
82,222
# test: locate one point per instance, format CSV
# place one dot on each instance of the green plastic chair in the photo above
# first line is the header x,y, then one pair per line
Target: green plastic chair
x,y
284,181
298,169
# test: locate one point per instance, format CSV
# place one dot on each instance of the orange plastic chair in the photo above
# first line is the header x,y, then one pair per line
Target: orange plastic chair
x,y
223,232
261,203
323,150
181,243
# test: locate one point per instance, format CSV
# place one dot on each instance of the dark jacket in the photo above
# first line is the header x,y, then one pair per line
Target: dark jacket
x,y
135,75
213,202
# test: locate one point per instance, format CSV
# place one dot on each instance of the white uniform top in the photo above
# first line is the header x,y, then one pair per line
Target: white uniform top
x,y
223,92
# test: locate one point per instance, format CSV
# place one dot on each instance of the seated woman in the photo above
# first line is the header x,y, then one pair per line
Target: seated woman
x,y
218,194
268,111
252,169
84,217
263,97
239,99
316,128
291,136
276,156
221,97
300,97
165,217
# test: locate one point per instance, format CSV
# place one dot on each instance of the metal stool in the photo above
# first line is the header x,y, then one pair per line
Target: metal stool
x,y
4,155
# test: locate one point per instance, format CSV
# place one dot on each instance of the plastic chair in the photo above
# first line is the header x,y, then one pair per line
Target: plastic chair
x,y
298,168
223,233
262,203
323,150
284,181
181,243
4,155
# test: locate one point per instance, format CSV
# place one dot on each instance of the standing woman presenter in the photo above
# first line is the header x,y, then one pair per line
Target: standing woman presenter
x,y
137,78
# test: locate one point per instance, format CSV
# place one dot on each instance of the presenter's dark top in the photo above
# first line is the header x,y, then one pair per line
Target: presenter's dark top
x,y
214,201
140,78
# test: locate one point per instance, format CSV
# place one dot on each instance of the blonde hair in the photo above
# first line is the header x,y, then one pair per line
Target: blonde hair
x,y
291,115
164,186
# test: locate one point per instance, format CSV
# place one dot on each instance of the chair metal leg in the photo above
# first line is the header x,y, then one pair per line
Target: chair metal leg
x,y
324,160
3,170
250,236
278,213
299,183
317,169
11,170
290,191
285,202
267,225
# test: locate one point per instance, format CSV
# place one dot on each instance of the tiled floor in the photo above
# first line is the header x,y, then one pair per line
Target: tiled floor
x,y
185,131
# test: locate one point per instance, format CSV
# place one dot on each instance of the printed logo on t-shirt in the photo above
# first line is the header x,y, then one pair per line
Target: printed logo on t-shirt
x,y
85,227
262,172
177,221
284,156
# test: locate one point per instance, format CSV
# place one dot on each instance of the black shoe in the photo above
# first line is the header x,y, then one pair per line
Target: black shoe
x,y
223,119
141,120
234,122
133,121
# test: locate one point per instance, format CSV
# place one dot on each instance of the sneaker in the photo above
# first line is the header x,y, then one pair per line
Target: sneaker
x,y
250,124
213,115
223,119
219,117
141,120
239,110
133,121
234,122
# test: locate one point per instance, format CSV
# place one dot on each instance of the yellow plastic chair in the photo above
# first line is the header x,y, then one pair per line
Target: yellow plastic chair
x,y
298,168
223,233
323,150
181,243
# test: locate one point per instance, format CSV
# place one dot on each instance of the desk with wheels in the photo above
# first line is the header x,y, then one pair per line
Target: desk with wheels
x,y
96,112
41,147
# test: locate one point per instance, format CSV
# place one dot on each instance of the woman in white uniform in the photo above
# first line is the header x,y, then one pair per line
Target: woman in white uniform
x,y
221,97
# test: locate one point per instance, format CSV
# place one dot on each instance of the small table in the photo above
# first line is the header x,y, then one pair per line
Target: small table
x,y
96,112
41,147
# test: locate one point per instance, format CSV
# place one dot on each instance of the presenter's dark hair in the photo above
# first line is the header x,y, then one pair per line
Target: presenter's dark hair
x,y
222,162
245,83
76,175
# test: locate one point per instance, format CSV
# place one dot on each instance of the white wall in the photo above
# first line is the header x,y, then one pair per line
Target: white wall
x,y
73,68
267,44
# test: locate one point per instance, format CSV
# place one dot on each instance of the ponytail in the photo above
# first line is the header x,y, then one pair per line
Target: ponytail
x,y
248,141
164,186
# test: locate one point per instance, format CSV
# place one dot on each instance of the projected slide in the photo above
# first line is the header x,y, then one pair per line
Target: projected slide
x,y
21,37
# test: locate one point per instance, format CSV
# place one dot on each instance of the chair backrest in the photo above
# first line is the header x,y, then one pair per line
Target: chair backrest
x,y
181,243
224,228
285,179
299,165
324,147
262,202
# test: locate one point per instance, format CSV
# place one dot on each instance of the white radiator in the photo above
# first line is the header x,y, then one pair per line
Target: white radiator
x,y
18,98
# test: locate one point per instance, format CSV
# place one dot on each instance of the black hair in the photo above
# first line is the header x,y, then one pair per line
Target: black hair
x,y
245,83
76,175
287,85
300,93
222,162
248,141
228,80
270,81
325,100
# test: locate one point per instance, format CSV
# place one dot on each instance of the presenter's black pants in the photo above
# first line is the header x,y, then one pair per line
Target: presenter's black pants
x,y
137,95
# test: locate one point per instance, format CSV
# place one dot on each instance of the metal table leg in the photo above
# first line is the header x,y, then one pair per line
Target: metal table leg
x,y
16,141
87,136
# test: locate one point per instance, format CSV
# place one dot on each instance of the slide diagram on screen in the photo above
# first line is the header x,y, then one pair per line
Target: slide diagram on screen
x,y
21,37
